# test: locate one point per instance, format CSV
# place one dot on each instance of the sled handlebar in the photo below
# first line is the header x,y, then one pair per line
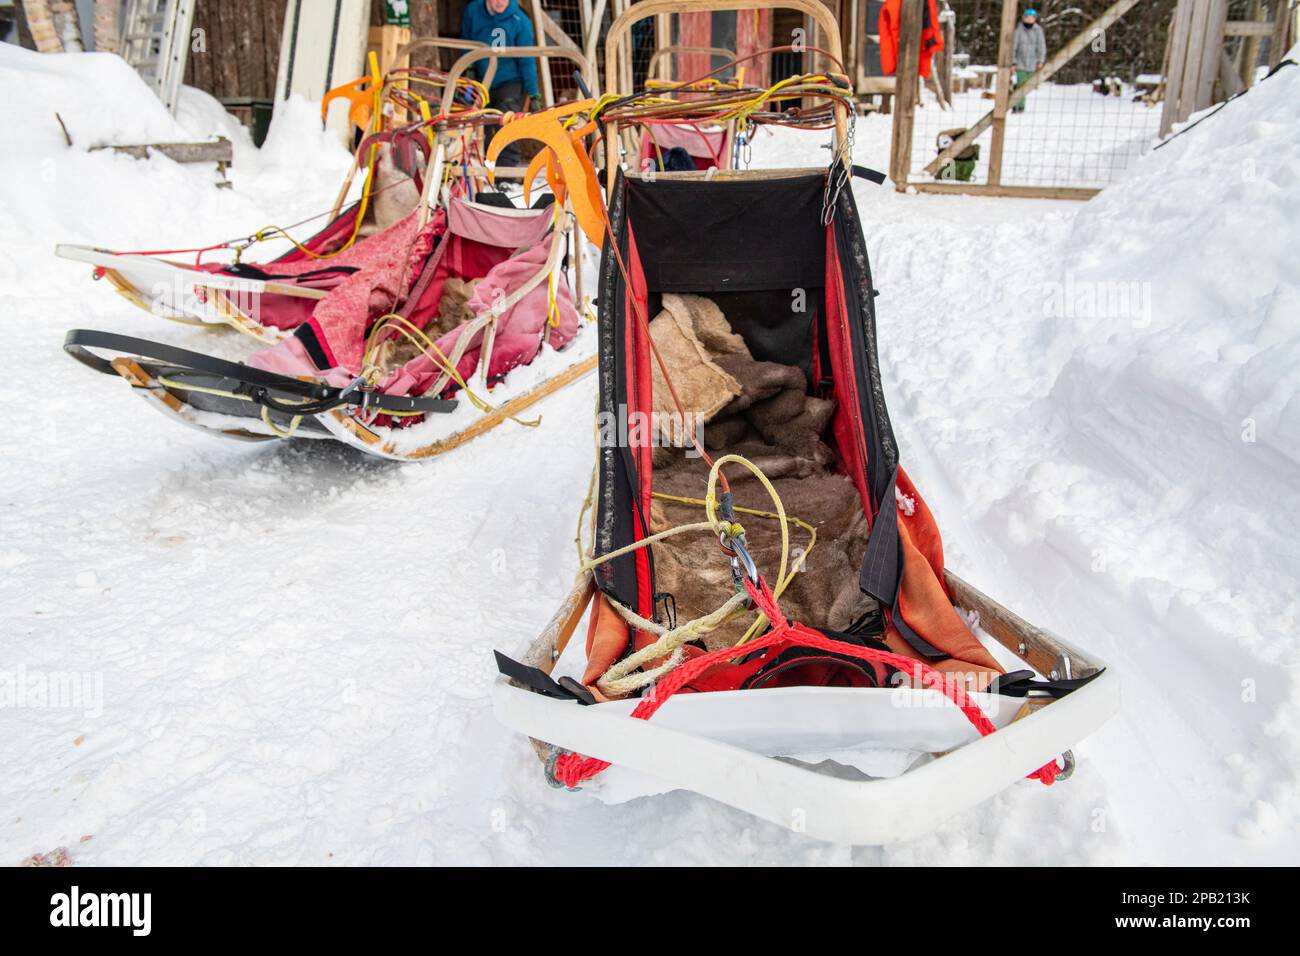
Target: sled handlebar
x,y
492,54
446,43
620,67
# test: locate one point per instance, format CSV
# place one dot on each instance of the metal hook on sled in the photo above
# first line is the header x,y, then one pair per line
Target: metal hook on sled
x,y
739,554
1067,765
365,387
551,773
356,385
735,548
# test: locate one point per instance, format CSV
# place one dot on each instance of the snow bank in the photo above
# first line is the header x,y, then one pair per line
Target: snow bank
x,y
64,194
1100,403
203,117
1211,226
100,98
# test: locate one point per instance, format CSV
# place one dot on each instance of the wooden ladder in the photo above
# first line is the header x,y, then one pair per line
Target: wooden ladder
x,y
156,42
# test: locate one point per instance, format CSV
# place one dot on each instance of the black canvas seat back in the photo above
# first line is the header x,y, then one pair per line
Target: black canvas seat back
x,y
755,244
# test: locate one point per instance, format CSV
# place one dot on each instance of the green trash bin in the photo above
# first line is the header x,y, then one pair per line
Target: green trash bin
x,y
255,114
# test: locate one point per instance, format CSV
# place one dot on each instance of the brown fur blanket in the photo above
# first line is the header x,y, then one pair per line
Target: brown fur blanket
x,y
760,410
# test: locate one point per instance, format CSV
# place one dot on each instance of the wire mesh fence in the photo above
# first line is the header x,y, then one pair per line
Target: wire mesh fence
x,y
1081,128
567,14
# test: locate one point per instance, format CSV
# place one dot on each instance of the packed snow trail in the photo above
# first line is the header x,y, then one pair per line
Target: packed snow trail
x,y
268,694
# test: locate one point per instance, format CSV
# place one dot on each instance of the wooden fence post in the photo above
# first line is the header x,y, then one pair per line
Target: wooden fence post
x,y
1215,22
1277,46
1006,41
1179,30
543,63
948,23
1249,52
905,91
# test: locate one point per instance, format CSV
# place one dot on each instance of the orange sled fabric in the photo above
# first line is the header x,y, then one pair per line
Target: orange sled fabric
x,y
924,601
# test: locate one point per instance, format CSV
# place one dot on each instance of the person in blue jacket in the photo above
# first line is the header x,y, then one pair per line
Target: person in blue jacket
x,y
514,85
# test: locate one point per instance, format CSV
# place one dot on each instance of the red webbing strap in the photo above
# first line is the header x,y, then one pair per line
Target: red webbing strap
x,y
572,769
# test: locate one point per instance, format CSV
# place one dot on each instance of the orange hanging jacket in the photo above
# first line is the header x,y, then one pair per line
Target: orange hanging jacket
x,y
931,36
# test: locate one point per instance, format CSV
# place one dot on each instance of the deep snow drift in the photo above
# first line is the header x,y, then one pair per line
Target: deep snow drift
x,y
1098,400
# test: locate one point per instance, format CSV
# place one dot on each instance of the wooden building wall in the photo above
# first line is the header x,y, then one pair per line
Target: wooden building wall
x,y
242,39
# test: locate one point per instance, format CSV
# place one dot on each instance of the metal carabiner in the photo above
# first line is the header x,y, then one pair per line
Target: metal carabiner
x,y
739,555
359,384
361,410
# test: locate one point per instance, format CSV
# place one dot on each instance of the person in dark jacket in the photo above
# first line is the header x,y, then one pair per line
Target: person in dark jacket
x,y
501,23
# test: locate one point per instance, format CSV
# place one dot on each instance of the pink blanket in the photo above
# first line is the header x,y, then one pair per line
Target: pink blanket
x,y
521,329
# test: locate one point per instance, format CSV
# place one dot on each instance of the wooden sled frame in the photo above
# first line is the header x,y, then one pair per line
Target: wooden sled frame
x,y
618,60
338,424
470,57
686,746
220,299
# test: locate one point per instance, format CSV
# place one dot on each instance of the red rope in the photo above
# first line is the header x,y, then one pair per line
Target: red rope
x,y
572,769
198,250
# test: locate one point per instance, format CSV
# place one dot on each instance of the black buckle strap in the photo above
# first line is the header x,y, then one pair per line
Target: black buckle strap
x,y
540,682
1021,683
869,174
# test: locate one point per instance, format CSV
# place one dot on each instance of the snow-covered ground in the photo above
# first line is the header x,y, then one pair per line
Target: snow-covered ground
x,y
283,653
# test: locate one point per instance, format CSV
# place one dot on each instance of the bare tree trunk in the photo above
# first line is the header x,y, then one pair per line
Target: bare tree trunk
x,y
67,25
41,23
108,38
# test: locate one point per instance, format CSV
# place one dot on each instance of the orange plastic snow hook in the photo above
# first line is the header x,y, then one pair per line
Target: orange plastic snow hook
x,y
543,158
359,94
575,174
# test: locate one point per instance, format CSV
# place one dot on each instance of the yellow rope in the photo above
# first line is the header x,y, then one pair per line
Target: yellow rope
x,y
279,432
619,678
796,566
270,232
552,301
427,346
223,393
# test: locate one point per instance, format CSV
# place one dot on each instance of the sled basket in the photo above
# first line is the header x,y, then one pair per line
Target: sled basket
x,y
520,341
842,752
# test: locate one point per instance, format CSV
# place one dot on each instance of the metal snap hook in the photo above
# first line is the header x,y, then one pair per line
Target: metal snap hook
x,y
1067,765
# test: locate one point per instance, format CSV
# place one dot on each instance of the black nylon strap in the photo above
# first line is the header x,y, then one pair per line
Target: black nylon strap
x,y
882,571
869,174
247,270
79,342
